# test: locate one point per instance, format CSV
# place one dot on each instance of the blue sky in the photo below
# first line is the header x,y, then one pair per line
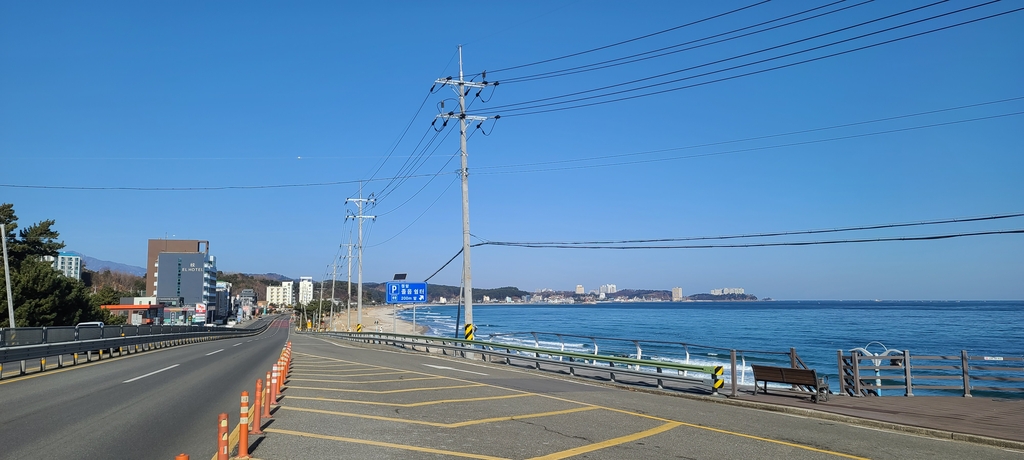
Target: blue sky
x,y
200,94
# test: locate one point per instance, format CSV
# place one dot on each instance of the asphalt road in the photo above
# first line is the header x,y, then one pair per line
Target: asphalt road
x,y
347,400
149,405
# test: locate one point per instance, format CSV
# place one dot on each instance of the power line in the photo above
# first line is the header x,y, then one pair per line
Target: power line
x,y
629,59
728,152
783,66
954,220
767,136
223,187
629,40
734,57
759,245
417,217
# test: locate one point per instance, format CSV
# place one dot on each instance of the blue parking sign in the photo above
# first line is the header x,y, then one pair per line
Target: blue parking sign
x,y
402,292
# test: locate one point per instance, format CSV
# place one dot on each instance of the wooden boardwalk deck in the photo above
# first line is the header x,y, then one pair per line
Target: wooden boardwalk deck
x,y
989,417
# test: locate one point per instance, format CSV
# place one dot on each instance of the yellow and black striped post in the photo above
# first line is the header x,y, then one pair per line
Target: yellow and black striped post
x,y
469,331
716,380
359,328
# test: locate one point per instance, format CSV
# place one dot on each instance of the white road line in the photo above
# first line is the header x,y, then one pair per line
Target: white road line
x,y
237,344
214,352
454,369
151,373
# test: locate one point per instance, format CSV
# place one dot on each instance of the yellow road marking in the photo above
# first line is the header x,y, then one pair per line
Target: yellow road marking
x,y
389,391
383,444
351,375
233,437
690,425
425,403
365,381
444,425
609,443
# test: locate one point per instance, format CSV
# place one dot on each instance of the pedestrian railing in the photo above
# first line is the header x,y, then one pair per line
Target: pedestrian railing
x,y
872,375
23,344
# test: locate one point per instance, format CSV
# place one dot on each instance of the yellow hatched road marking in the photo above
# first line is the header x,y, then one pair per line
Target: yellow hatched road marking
x,y
383,444
352,375
336,371
444,425
690,425
425,403
609,443
381,392
365,381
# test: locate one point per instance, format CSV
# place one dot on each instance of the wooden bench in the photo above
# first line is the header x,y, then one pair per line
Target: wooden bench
x,y
793,376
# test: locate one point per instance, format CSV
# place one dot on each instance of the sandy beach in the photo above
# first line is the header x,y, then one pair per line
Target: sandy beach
x,y
378,318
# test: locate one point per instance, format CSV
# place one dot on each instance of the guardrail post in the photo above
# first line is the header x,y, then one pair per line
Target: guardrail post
x,y
732,371
967,378
906,373
222,437
855,363
243,427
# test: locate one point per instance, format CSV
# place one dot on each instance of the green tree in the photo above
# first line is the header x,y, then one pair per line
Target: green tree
x,y
42,295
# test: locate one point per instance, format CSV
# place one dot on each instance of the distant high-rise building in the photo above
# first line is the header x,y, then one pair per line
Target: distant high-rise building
x,y
190,277
677,294
69,264
305,290
281,295
164,245
580,290
727,291
607,289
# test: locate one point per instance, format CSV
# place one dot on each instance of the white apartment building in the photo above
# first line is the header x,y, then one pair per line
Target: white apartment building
x,y
69,264
677,294
727,291
580,290
607,289
281,295
305,290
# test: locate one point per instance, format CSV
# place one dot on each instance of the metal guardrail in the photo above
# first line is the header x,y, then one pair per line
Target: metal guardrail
x,y
736,365
23,344
859,379
700,374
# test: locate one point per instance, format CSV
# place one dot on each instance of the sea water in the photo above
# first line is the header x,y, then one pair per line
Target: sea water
x,y
815,329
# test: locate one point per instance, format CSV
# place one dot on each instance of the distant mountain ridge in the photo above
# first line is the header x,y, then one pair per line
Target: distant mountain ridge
x,y
98,265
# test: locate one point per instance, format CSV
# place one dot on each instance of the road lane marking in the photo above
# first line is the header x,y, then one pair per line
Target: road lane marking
x,y
301,374
293,379
609,443
381,392
690,425
151,373
417,404
237,344
445,425
214,352
454,369
382,444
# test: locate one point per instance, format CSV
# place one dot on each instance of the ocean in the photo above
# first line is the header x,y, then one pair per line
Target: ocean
x,y
816,329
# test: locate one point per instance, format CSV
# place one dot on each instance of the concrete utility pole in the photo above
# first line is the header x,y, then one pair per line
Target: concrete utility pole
x,y
360,202
334,279
348,298
7,278
461,87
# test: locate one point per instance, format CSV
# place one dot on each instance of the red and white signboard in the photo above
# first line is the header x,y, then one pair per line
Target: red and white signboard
x,y
200,309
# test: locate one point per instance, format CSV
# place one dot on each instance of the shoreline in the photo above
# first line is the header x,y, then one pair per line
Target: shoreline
x,y
379,318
